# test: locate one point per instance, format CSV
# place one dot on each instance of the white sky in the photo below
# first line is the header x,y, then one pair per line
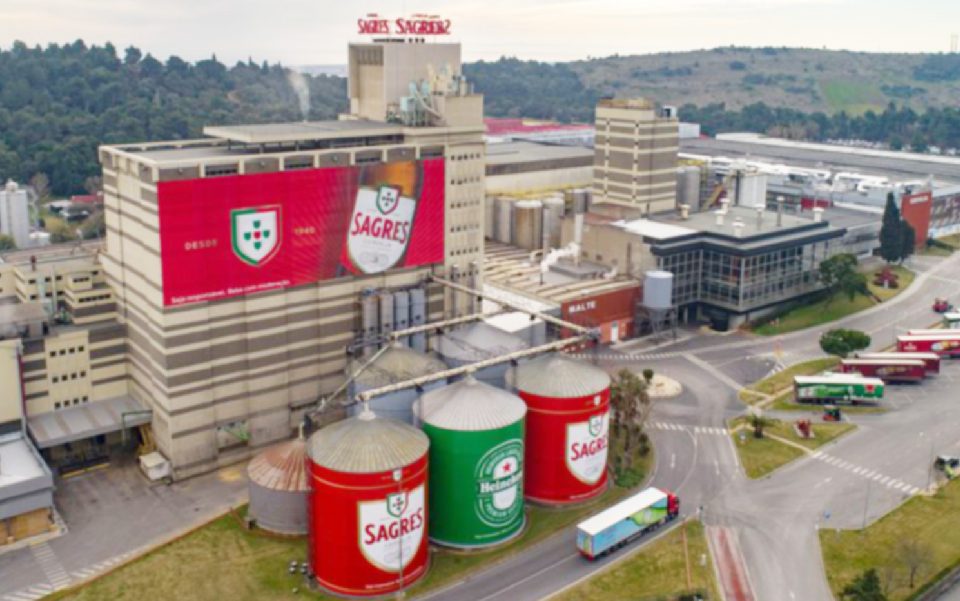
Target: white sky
x,y
316,31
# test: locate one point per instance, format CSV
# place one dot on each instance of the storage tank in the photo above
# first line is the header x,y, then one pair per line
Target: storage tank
x,y
367,508
476,342
658,289
396,364
476,463
369,319
528,224
489,217
504,228
552,221
418,316
401,313
688,187
278,488
568,424
386,314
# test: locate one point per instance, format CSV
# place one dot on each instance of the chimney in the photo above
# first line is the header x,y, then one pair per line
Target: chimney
x,y
780,211
720,215
817,214
737,227
759,209
578,235
724,205
684,212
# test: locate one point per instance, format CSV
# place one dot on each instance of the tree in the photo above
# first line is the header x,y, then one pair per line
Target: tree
x,y
648,375
7,243
914,556
839,275
758,422
891,244
865,587
630,407
908,240
41,186
61,232
94,226
842,342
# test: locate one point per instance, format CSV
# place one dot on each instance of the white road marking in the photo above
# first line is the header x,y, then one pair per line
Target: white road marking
x,y
716,466
673,460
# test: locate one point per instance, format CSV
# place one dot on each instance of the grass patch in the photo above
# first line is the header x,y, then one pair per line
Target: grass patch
x,y
657,572
751,396
760,456
905,278
783,379
936,251
854,97
784,402
813,314
223,560
930,522
952,240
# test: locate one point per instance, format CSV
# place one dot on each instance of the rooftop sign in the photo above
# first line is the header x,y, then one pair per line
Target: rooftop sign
x,y
416,25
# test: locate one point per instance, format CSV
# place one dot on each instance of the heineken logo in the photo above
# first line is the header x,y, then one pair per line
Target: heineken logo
x,y
499,479
255,234
380,228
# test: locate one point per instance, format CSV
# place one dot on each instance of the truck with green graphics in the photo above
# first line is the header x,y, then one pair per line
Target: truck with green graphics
x,y
626,521
837,388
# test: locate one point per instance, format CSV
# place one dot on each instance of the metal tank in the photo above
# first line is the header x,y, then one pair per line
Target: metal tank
x,y
504,226
553,211
658,290
489,217
386,314
476,342
396,364
369,319
476,463
528,224
278,488
418,316
688,187
401,313
568,425
367,508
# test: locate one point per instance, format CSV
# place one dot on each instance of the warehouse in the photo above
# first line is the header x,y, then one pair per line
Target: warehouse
x,y
523,166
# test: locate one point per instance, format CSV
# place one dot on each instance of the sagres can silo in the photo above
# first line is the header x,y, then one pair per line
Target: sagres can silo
x,y
568,425
396,364
476,463
278,488
476,342
368,505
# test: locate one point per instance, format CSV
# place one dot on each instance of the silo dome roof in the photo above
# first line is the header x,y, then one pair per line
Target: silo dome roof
x,y
367,444
479,341
557,376
281,467
396,364
470,405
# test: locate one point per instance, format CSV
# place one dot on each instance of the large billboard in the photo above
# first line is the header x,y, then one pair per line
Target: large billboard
x,y
232,235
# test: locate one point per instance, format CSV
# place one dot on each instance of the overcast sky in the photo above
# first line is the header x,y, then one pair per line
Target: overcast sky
x,y
298,32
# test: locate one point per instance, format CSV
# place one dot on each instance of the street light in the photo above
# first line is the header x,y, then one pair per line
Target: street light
x,y
398,478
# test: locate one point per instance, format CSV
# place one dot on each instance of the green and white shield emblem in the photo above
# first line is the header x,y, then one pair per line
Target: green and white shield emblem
x,y
255,234
396,504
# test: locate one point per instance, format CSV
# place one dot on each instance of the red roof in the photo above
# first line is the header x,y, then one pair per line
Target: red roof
x,y
87,198
503,125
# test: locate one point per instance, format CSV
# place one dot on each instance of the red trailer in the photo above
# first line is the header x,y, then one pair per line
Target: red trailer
x,y
931,361
888,370
945,345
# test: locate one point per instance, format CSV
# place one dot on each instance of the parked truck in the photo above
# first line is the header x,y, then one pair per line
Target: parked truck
x,y
931,361
888,370
626,521
945,344
836,388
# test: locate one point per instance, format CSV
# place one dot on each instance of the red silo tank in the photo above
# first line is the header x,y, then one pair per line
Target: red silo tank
x,y
368,505
568,425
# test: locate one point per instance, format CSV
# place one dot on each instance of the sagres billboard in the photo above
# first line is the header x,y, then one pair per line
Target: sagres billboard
x,y
232,235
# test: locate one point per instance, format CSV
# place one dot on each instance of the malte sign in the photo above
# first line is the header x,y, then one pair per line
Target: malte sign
x,y
416,25
226,236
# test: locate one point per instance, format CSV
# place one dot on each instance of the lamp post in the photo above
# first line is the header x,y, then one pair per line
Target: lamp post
x,y
398,478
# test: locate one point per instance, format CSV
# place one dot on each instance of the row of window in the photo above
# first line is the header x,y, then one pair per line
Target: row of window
x,y
464,228
67,351
98,297
65,377
33,281
465,157
67,403
465,251
465,180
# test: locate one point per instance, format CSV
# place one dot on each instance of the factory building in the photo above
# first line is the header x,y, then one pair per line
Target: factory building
x,y
238,309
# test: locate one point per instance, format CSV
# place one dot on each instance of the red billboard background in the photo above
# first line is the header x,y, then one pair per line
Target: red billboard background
x,y
232,235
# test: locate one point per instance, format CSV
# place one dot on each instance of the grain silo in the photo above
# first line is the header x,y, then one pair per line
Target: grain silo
x,y
553,210
367,508
489,217
476,463
568,422
503,232
528,224
396,364
278,488
476,342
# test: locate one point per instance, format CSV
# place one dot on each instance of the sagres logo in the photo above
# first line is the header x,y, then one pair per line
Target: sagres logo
x,y
255,234
587,447
499,478
380,228
391,528
596,425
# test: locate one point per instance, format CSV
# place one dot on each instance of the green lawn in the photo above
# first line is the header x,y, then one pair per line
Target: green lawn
x,y
814,314
760,456
854,97
905,278
936,251
784,379
929,522
657,572
952,240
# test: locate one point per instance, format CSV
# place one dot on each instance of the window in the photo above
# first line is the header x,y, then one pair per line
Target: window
x,y
55,379
79,349
63,352
56,405
83,374
53,353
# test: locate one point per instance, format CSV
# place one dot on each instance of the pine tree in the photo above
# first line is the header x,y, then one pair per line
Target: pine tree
x,y
891,246
908,240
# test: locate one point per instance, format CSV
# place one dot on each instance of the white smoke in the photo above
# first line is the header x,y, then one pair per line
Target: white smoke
x,y
299,84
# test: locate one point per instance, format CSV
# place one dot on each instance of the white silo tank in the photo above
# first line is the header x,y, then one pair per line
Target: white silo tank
x,y
418,317
552,221
528,224
401,313
688,187
489,217
658,290
504,226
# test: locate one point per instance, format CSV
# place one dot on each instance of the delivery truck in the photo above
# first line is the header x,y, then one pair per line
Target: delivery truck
x,y
945,344
888,370
626,521
931,361
836,388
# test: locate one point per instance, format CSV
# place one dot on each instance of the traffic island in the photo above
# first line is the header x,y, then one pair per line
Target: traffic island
x,y
781,443
767,389
675,566
921,536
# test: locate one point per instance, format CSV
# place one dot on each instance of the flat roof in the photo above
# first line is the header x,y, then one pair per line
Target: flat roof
x,y
19,314
18,462
506,153
83,421
654,229
300,131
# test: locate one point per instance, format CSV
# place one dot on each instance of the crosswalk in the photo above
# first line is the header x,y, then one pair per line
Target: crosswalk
x,y
50,565
866,473
691,429
588,356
